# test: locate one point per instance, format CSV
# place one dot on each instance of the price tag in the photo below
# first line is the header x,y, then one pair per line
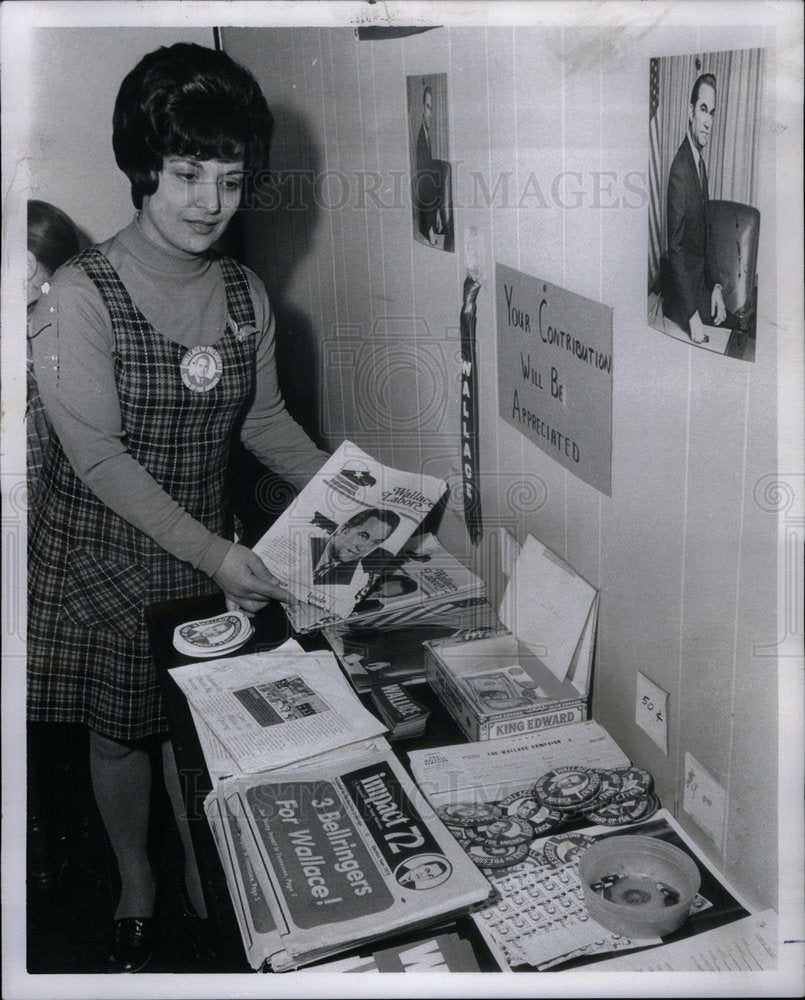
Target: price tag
x,y
651,712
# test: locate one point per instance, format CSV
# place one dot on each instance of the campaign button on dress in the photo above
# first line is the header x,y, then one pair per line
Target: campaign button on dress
x,y
201,368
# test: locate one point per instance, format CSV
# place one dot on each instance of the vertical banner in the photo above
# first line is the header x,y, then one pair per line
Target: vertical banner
x,y
469,413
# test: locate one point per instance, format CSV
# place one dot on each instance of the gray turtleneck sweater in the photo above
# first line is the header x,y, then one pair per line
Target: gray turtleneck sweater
x,y
183,297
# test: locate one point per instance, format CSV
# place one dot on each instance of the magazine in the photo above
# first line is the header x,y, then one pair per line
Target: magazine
x,y
422,576
333,540
346,851
272,709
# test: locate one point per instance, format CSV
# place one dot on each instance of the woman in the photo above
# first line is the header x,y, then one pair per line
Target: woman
x,y
133,506
52,240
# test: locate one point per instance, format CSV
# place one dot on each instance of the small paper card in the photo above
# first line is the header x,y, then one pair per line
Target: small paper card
x,y
214,636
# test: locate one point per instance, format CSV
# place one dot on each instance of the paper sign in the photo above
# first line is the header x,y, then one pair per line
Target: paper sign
x,y
651,713
555,372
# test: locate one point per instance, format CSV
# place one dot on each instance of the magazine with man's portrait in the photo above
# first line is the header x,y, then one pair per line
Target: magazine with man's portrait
x,y
332,543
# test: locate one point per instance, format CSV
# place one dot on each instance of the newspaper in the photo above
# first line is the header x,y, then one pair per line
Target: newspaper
x,y
261,939
272,709
218,760
347,851
492,769
333,540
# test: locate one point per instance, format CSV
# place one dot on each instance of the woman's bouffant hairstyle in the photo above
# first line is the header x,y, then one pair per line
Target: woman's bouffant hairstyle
x,y
52,235
188,100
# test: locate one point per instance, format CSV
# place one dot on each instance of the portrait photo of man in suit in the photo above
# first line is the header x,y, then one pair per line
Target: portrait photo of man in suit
x,y
693,294
431,179
704,183
335,558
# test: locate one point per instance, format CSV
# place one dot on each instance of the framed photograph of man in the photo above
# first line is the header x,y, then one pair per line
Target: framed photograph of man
x,y
431,172
704,226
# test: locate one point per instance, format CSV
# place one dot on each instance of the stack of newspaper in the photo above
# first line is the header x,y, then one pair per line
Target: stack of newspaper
x,y
325,841
343,851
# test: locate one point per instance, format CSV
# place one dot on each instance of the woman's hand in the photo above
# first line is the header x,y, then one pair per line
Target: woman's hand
x,y
246,581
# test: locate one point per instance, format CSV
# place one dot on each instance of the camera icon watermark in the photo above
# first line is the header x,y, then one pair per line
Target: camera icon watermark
x,y
390,381
783,495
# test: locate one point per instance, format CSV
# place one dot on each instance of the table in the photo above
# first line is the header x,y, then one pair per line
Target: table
x,y
271,630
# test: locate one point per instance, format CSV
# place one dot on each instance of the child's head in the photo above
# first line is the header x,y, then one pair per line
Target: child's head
x,y
188,100
52,240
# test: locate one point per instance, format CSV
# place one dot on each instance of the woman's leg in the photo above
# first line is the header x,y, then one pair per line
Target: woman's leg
x,y
121,781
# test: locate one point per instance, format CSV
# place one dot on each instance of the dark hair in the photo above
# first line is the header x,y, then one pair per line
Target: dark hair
x,y
387,517
52,235
188,100
425,93
705,78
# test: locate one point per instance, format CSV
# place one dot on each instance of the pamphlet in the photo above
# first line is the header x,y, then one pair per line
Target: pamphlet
x,y
272,709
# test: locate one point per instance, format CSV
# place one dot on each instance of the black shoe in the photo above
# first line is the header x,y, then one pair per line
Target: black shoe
x,y
132,944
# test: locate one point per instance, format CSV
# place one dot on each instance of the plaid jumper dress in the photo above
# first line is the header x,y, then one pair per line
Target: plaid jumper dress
x,y
91,574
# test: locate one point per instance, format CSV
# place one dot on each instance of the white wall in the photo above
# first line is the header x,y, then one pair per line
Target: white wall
x,y
683,555
76,74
